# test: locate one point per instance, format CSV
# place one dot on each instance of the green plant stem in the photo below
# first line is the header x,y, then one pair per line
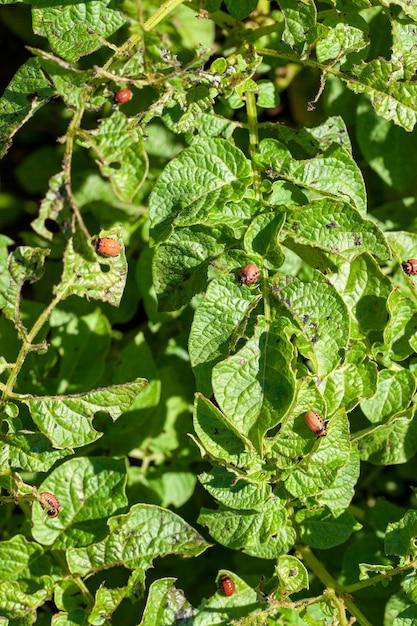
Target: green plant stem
x,y
161,13
133,42
353,610
340,607
253,139
327,579
321,67
320,571
374,580
69,146
27,347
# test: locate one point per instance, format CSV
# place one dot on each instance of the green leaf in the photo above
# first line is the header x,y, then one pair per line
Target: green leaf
x,y
292,574
171,488
81,342
240,8
365,290
235,493
255,386
390,443
5,278
67,420
197,184
22,560
339,495
221,439
134,540
409,9
106,602
300,20
382,144
165,604
314,141
146,290
333,173
392,99
284,193
321,317
404,40
29,451
408,617
318,471
180,264
331,130
400,536
245,604
400,334
395,389
367,568
87,277
24,264
336,227
26,93
410,587
294,440
18,605
261,238
403,244
67,595
347,385
266,533
89,491
76,30
157,425
218,322
70,82
268,94
54,207
120,154
340,35
322,531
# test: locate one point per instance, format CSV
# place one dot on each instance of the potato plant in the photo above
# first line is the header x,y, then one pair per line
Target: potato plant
x,y
208,313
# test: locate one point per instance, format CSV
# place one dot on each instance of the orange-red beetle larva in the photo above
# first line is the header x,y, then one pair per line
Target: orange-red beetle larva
x,y
49,503
249,274
226,585
410,267
315,422
106,246
123,96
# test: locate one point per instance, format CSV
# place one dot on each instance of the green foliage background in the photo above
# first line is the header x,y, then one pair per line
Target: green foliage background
x,y
161,401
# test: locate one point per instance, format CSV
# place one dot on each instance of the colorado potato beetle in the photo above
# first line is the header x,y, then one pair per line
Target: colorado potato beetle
x,y
249,274
226,585
123,96
106,246
410,267
49,503
315,423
